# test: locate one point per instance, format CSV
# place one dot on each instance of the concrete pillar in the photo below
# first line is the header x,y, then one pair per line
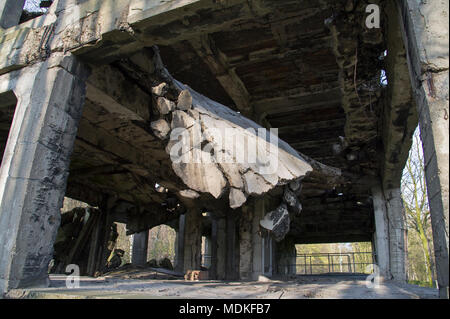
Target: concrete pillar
x,y
246,243
207,249
285,257
425,33
221,249
259,211
193,240
10,12
213,267
390,233
232,255
179,252
34,170
139,249
381,236
397,234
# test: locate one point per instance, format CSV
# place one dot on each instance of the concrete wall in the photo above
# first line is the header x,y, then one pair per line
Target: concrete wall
x,y
425,33
34,170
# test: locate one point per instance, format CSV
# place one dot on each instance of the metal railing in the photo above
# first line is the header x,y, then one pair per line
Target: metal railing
x,y
322,263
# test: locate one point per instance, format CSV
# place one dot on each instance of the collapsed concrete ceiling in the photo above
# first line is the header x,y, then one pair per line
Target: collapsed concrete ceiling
x,y
309,68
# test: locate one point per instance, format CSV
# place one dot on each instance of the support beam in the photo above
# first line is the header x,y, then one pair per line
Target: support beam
x,y
425,35
140,247
225,74
10,12
34,170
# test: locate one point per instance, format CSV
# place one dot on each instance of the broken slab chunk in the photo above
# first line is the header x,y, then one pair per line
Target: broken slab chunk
x,y
182,119
161,89
255,184
277,222
164,106
237,198
184,100
202,177
189,193
160,128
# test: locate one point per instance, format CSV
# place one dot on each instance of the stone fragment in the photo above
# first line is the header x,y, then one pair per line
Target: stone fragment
x,y
160,128
289,197
237,198
182,119
161,89
184,100
202,177
277,222
164,106
255,184
189,193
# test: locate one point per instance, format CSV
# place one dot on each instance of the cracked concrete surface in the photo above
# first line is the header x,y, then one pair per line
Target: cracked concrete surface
x,y
302,287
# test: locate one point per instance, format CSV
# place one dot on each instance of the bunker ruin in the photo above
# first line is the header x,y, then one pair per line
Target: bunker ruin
x,y
142,107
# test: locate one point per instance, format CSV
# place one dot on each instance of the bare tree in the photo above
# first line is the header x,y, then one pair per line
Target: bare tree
x,y
414,194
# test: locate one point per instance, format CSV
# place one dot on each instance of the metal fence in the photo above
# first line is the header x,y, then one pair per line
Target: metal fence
x,y
322,263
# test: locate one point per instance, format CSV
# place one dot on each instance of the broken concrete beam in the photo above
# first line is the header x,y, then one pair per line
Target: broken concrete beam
x,y
214,149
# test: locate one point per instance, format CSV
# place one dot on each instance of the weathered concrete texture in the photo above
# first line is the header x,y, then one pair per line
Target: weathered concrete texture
x,y
192,240
139,251
397,234
425,34
10,12
399,118
34,169
304,287
390,233
381,235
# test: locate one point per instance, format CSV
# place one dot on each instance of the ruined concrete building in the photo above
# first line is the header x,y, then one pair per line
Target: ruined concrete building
x,y
102,100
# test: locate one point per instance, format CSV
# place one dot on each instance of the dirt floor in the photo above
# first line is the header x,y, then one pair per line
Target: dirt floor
x,y
149,285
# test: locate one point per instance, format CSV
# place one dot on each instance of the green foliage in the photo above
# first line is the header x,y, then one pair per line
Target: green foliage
x,y
415,200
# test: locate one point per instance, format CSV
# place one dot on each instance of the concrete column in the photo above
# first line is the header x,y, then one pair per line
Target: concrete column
x,y
390,233
193,240
381,236
285,257
232,271
139,249
179,252
245,243
425,33
397,234
207,250
221,249
213,267
10,12
34,170
259,212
